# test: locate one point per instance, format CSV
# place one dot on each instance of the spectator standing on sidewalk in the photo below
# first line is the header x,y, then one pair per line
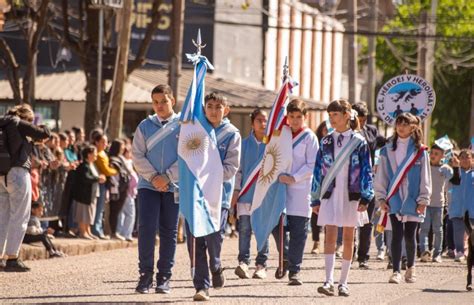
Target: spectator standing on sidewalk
x,y
15,185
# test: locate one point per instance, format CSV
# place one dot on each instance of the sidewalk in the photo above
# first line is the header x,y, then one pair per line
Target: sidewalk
x,y
73,246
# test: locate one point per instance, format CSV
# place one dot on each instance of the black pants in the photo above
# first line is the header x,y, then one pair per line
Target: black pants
x,y
399,231
315,229
42,238
115,209
365,235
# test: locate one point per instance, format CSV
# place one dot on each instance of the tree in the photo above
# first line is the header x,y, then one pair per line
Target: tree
x,y
453,62
82,21
32,18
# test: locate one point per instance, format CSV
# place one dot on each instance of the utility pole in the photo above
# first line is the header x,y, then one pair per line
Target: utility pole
x,y
471,130
176,47
100,49
371,81
120,75
352,29
426,56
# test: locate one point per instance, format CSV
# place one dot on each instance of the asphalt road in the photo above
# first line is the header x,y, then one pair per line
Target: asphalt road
x,y
110,277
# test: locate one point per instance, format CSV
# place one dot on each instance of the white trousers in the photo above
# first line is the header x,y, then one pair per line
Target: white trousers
x,y
15,209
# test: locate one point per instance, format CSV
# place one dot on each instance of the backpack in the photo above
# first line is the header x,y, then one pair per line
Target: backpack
x,y
124,174
5,157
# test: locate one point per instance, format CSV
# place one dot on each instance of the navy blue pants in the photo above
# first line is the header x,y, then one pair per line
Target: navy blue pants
x,y
213,244
157,210
297,226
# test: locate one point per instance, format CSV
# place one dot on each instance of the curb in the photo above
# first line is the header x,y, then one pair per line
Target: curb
x,y
72,247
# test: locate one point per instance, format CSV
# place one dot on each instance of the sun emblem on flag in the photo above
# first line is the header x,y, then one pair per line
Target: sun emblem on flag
x,y
194,144
271,160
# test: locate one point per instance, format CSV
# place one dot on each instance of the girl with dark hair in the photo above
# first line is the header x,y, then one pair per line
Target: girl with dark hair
x,y
252,150
86,191
403,189
118,185
343,160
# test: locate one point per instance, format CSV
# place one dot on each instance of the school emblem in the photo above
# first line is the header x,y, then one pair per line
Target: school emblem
x,y
405,93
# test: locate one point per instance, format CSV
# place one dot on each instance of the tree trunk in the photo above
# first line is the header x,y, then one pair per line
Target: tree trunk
x,y
120,76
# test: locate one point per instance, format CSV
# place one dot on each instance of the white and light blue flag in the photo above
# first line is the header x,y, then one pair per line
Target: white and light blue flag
x,y
270,195
200,168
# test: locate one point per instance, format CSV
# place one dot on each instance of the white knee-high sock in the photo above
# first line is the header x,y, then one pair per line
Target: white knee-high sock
x,y
329,265
346,266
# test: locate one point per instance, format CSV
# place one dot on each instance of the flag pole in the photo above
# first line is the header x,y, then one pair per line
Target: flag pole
x,y
281,270
199,46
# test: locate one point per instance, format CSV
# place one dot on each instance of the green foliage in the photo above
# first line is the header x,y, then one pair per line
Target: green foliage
x,y
454,59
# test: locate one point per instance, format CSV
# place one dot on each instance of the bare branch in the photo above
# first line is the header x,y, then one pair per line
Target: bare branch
x,y
144,46
10,65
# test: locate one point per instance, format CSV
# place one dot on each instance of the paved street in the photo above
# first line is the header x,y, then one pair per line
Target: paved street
x,y
111,276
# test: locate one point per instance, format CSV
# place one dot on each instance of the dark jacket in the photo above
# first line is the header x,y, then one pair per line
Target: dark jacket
x,y
85,184
373,138
19,146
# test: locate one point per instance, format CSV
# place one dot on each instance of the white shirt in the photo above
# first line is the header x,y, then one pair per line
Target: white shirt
x,y
299,193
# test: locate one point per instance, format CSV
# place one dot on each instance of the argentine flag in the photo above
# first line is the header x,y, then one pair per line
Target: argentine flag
x,y
200,168
270,195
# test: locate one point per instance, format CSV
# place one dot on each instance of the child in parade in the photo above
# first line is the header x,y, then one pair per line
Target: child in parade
x,y
252,149
155,155
461,199
229,144
298,200
342,189
321,132
440,175
403,190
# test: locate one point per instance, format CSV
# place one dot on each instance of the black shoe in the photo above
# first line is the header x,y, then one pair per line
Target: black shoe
x,y
163,285
364,265
144,283
15,265
218,279
295,279
285,271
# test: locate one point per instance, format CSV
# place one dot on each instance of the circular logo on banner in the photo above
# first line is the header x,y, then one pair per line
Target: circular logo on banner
x,y
405,93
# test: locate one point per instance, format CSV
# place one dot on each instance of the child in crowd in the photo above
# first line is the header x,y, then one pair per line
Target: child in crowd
x,y
86,191
35,233
298,198
126,220
461,199
403,190
343,160
440,175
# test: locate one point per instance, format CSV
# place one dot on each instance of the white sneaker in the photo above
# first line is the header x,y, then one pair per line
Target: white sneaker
x,y
425,257
242,271
459,257
380,255
437,259
260,273
410,276
396,278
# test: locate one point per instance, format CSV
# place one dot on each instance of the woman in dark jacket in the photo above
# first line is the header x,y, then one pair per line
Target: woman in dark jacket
x,y
86,191
15,185
118,185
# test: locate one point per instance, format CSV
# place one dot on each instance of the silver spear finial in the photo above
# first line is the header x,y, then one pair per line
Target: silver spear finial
x,y
198,43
